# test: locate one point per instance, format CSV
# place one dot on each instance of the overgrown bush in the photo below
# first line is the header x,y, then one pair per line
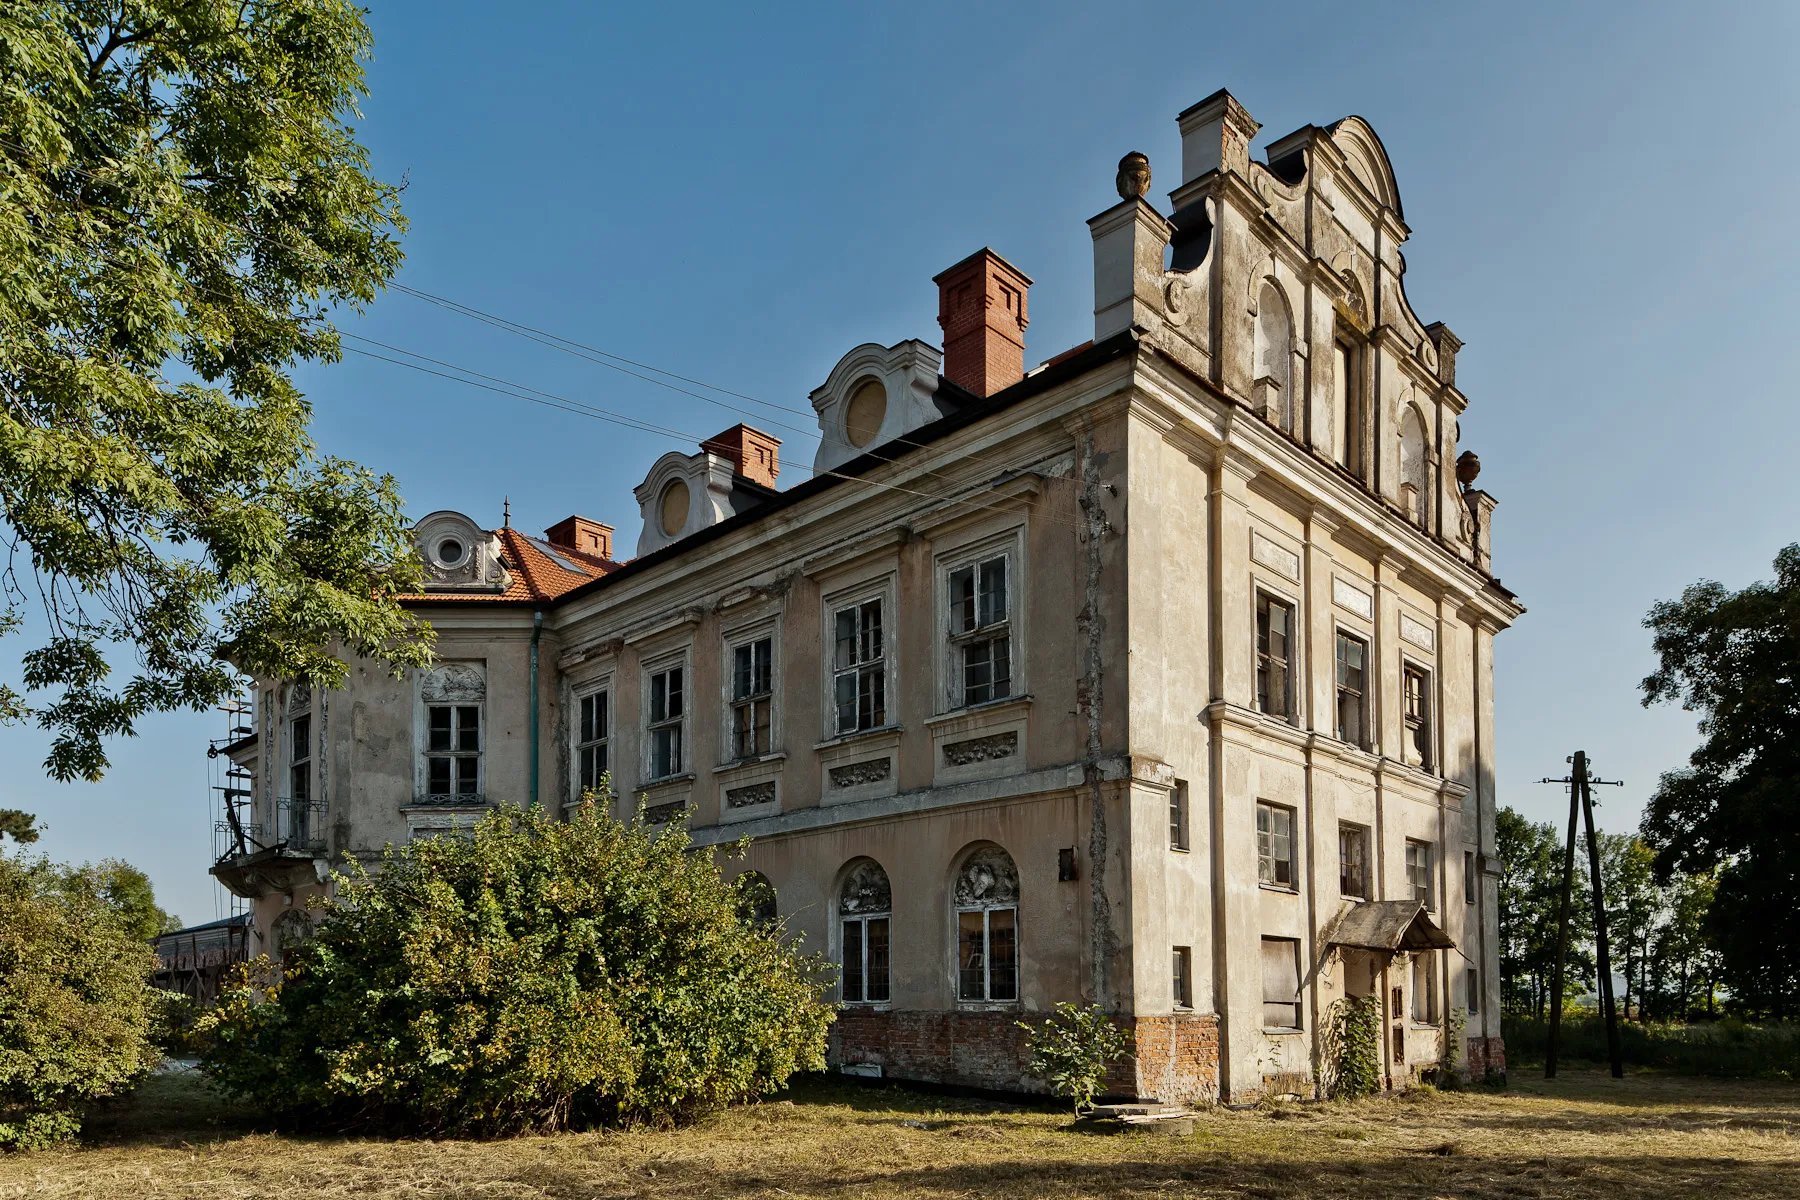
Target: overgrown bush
x,y
1353,1048
1072,1049
1728,1049
76,1007
534,975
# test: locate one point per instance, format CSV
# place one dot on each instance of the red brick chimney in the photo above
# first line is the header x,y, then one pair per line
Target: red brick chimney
x,y
581,534
981,305
753,454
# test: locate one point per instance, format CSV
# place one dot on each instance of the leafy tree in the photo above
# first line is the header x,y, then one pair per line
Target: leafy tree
x,y
128,893
21,827
1635,909
1734,658
1531,875
1686,961
1072,1048
535,975
76,1008
182,206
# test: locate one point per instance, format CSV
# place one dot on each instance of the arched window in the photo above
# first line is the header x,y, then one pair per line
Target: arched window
x,y
987,926
1274,396
756,898
865,904
1414,476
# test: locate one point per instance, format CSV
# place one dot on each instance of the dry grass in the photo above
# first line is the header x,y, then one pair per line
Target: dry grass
x,y
1585,1135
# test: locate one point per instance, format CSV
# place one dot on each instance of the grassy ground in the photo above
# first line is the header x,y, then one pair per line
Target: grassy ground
x,y
1584,1135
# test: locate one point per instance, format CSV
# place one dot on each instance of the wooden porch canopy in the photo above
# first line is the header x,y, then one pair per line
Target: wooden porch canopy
x,y
1389,926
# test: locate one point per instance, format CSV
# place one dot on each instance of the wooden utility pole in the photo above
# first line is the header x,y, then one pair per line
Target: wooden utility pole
x,y
1603,961
1581,807
1575,781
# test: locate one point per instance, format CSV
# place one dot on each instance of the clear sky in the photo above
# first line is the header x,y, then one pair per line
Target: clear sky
x,y
1601,200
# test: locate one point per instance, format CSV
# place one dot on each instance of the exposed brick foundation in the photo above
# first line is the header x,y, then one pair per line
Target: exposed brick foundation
x,y
1177,1059
1484,1055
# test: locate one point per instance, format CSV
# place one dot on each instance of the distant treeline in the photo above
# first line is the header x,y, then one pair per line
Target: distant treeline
x,y
1728,1048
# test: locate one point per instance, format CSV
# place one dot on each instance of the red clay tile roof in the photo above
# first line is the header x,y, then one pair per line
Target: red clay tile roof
x,y
540,572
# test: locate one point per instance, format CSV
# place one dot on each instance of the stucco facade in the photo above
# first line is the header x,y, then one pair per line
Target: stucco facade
x,y
1112,681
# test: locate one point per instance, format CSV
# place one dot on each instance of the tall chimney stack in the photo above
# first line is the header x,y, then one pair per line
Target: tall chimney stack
x,y
981,305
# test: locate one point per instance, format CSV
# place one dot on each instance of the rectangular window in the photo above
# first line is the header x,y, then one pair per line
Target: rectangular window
x,y
987,954
1468,877
981,632
592,739
453,750
300,760
1353,861
1418,873
1275,845
752,693
668,710
1281,983
1473,976
1352,656
1184,977
1418,717
1274,649
865,979
1178,816
859,668
1424,988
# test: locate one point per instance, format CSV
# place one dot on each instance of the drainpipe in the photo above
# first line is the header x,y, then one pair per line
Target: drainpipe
x,y
537,631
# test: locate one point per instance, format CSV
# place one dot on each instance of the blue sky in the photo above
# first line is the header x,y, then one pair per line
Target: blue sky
x,y
1600,199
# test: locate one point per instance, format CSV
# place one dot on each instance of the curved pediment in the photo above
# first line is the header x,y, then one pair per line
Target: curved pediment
x,y
1368,160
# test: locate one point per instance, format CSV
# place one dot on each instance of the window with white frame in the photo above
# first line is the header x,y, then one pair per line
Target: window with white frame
x,y
1417,687
1418,873
453,750
752,697
593,739
987,927
1275,845
1274,654
667,713
859,666
981,641
865,908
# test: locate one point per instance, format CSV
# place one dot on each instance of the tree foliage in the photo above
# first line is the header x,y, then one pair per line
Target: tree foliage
x,y
534,975
1734,658
1072,1048
1531,880
182,206
127,891
1353,1047
76,1008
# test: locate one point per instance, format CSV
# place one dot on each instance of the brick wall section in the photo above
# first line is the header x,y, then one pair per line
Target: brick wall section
x,y
1484,1055
1177,1058
968,1049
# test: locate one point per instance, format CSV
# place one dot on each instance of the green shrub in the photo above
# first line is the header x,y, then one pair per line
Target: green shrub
x,y
1072,1049
1352,1048
76,1007
534,975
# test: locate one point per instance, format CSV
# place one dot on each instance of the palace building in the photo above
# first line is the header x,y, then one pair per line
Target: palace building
x,y
1158,675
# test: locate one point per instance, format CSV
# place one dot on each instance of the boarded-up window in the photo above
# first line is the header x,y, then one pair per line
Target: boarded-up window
x,y
1281,983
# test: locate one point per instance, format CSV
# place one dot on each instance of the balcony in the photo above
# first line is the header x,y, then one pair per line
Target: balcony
x,y
254,860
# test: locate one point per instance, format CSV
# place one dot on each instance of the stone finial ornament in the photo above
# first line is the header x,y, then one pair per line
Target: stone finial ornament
x,y
1468,467
1134,176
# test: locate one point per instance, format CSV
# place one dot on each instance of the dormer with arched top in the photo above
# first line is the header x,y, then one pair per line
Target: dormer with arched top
x,y
685,493
459,555
874,395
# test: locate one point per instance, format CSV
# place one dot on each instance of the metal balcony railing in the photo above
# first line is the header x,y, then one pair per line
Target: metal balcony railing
x,y
300,824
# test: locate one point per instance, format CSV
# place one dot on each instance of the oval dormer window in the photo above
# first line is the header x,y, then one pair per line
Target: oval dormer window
x,y
865,413
674,508
451,552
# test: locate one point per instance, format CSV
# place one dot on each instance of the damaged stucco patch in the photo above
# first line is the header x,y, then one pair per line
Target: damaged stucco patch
x,y
1089,698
